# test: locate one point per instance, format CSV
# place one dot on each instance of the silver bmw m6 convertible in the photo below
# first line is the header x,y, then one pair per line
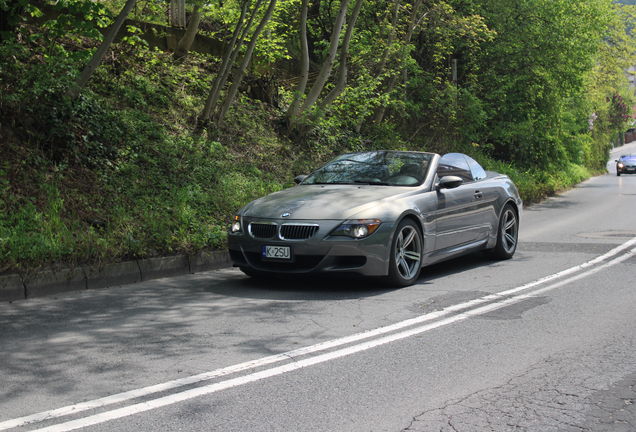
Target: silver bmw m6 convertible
x,y
378,213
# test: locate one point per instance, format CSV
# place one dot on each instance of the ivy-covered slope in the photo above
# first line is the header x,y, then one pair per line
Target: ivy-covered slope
x,y
127,170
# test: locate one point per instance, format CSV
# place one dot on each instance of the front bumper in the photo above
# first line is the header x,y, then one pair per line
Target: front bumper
x,y
626,170
321,253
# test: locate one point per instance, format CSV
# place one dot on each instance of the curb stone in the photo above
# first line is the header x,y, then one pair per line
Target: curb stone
x,y
212,260
157,268
11,288
49,282
123,273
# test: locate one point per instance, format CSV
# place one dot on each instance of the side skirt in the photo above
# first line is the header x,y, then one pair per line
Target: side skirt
x,y
454,252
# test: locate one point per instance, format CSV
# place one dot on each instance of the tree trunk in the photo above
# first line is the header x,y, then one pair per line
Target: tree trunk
x,y
186,41
313,13
248,55
177,13
327,65
389,43
92,65
230,56
341,81
385,56
304,64
379,113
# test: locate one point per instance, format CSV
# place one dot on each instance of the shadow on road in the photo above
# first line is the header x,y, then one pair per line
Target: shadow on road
x,y
115,335
235,284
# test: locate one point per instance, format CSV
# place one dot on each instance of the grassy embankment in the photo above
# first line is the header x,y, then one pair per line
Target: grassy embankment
x,y
121,174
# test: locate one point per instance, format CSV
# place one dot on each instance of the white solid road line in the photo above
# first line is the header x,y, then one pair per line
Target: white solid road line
x,y
126,411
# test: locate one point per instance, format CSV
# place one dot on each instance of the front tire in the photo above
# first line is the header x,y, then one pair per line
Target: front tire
x,y
406,255
507,235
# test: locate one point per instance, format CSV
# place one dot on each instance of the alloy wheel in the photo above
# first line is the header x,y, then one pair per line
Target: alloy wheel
x,y
509,231
408,251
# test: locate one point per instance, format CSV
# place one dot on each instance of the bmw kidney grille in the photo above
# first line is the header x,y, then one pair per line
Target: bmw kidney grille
x,y
267,230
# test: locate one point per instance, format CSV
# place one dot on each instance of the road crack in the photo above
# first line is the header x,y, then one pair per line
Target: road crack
x,y
562,393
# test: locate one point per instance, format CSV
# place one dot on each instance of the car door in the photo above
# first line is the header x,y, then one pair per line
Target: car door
x,y
460,211
486,193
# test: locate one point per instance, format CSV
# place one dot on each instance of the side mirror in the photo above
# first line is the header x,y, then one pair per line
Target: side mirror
x,y
299,179
449,182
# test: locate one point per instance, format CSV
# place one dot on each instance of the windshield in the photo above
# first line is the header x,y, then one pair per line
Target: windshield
x,y
374,168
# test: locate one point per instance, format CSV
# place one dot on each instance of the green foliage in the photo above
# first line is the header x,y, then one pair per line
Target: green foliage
x,y
116,174
272,45
13,13
619,112
534,184
29,78
541,57
68,27
124,172
133,37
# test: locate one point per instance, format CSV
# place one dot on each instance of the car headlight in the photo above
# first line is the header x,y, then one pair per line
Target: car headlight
x,y
236,225
620,165
359,228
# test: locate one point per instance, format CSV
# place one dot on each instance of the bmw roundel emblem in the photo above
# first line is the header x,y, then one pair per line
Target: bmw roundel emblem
x,y
286,215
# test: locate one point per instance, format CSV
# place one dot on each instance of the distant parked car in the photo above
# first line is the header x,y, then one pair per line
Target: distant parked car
x,y
626,164
378,213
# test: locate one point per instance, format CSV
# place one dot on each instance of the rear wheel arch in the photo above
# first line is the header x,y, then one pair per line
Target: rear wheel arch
x,y
514,206
507,233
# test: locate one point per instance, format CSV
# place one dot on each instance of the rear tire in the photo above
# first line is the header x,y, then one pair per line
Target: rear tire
x,y
507,235
405,259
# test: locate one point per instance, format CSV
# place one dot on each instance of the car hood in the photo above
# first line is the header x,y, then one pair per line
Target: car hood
x,y
311,202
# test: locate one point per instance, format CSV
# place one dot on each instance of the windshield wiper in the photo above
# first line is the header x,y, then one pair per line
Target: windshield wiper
x,y
356,182
372,182
331,183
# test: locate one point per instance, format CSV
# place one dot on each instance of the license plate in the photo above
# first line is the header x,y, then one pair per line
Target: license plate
x,y
277,252
631,169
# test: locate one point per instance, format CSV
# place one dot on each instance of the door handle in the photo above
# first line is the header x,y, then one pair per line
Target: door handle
x,y
479,195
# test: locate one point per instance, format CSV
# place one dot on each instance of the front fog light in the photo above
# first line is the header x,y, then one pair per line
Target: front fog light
x,y
358,229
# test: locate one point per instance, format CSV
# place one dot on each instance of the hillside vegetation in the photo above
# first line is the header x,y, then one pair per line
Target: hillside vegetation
x,y
133,167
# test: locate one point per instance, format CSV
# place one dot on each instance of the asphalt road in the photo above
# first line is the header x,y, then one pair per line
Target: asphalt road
x,y
543,342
